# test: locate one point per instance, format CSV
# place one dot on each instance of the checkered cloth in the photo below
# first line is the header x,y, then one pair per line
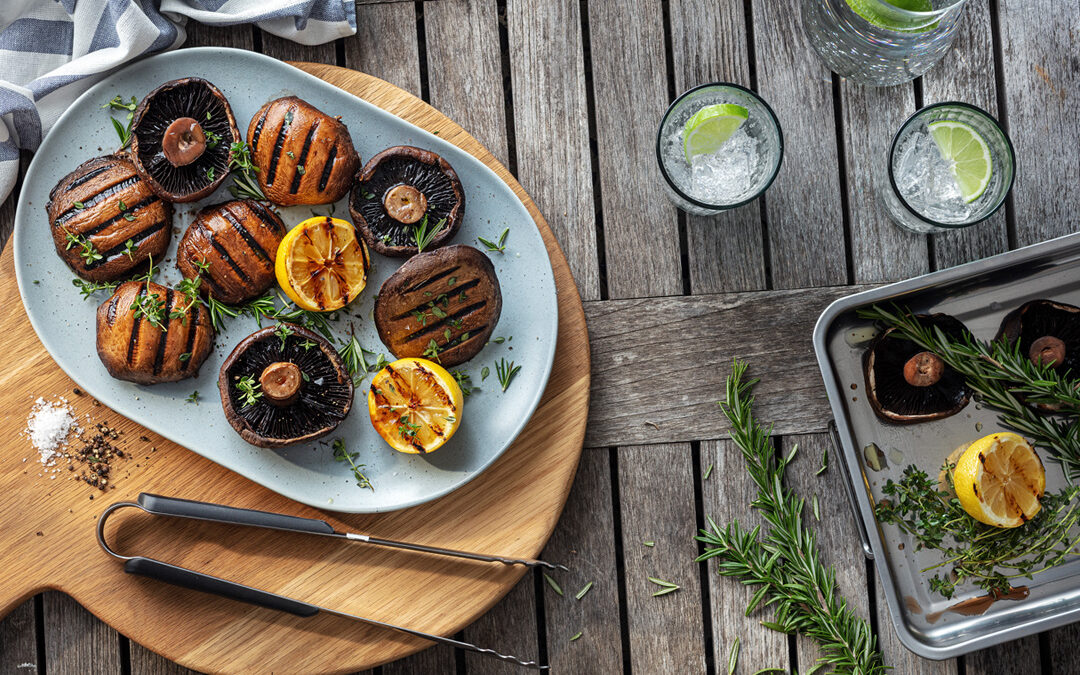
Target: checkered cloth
x,y
53,50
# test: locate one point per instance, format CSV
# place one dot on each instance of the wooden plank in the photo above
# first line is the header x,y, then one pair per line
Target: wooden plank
x,y
897,655
733,254
551,127
509,628
1062,647
437,659
967,74
286,50
378,27
465,71
726,496
18,642
803,206
880,249
837,537
1019,657
145,662
641,239
1042,88
584,541
76,641
656,497
650,383
201,35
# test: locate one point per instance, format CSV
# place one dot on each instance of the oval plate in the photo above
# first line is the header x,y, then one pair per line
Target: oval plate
x,y
307,473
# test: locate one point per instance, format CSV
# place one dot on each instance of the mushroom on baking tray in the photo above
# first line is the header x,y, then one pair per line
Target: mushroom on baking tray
x,y
106,221
405,196
284,384
180,139
303,155
1047,332
907,384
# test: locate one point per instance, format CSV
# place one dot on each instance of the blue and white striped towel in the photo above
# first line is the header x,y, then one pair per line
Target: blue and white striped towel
x,y
53,50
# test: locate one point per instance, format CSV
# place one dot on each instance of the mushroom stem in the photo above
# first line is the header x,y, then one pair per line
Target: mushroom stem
x,y
405,204
280,383
924,369
1047,350
184,141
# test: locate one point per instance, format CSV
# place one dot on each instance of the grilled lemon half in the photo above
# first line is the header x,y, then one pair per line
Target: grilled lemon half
x,y
999,480
415,405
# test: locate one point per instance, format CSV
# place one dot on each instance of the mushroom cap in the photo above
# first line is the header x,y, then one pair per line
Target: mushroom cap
x,y
889,391
201,101
1045,318
422,169
106,203
326,392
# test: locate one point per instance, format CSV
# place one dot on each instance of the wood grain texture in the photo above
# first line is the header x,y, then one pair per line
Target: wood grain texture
x,y
1041,57
710,45
201,35
385,44
880,249
286,50
967,74
18,642
897,655
437,659
1062,654
434,595
75,642
656,494
726,496
584,541
803,206
659,364
146,662
1019,657
641,238
511,624
551,127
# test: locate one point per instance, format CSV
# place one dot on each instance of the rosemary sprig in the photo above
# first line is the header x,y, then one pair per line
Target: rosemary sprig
x,y
1004,380
341,454
243,170
506,372
248,387
122,130
497,246
783,562
423,235
665,586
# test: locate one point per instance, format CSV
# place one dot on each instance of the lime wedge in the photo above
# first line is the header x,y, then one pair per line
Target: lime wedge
x,y
707,130
968,154
882,17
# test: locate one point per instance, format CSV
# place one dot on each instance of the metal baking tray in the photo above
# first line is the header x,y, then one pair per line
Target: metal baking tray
x,y
979,294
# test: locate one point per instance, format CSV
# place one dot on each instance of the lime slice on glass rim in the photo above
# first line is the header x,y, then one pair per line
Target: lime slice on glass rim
x,y
968,155
709,127
872,12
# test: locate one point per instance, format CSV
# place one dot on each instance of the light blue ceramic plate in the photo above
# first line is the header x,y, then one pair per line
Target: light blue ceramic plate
x,y
306,473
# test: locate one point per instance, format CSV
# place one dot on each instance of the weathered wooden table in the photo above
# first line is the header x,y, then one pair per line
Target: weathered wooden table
x,y
568,94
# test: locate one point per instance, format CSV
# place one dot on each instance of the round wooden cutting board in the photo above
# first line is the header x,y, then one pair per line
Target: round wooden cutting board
x,y
47,520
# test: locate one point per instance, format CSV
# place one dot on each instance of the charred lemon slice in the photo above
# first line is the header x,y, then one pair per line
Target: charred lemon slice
x,y
415,405
321,265
999,480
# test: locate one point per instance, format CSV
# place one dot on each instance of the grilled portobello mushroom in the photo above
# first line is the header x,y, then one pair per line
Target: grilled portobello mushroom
x,y
99,207
441,305
232,247
304,156
152,347
401,192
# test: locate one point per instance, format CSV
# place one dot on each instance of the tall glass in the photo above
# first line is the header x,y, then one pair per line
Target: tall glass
x,y
915,184
755,151
881,42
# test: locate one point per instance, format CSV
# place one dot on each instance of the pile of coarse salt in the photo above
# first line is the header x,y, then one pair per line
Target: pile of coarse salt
x,y
48,427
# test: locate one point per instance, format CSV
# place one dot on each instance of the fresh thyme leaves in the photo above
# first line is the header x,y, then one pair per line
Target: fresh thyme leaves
x,y
665,586
212,139
423,234
88,288
783,562
122,130
249,390
1004,380
554,584
406,428
189,288
244,184
988,556
86,248
497,246
341,454
464,381
367,194
129,249
484,372
584,589
193,397
79,206
432,350
283,331
506,372
149,305
210,173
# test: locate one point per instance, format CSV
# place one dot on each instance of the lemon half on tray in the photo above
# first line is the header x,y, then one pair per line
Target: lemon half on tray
x,y
999,480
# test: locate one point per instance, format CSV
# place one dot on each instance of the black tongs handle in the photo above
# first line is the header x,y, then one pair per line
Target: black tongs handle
x,y
218,513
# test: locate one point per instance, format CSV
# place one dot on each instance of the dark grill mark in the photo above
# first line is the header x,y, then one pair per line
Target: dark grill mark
x,y
327,168
163,339
131,209
245,235
88,175
135,325
192,331
438,325
432,279
117,251
279,143
94,199
224,254
303,158
266,216
254,140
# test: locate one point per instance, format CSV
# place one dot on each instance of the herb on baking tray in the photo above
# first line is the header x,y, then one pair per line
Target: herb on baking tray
x,y
988,556
423,236
783,562
249,390
497,246
243,171
1004,380
341,454
88,288
122,130
506,372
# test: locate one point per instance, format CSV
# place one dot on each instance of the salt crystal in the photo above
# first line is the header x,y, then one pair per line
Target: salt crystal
x,y
48,427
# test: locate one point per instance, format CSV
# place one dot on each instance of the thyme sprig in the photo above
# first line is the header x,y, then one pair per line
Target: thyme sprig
x,y
88,288
86,247
248,387
783,562
342,454
243,171
122,130
1005,380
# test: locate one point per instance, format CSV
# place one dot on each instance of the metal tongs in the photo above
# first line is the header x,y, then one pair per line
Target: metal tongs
x,y
218,513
